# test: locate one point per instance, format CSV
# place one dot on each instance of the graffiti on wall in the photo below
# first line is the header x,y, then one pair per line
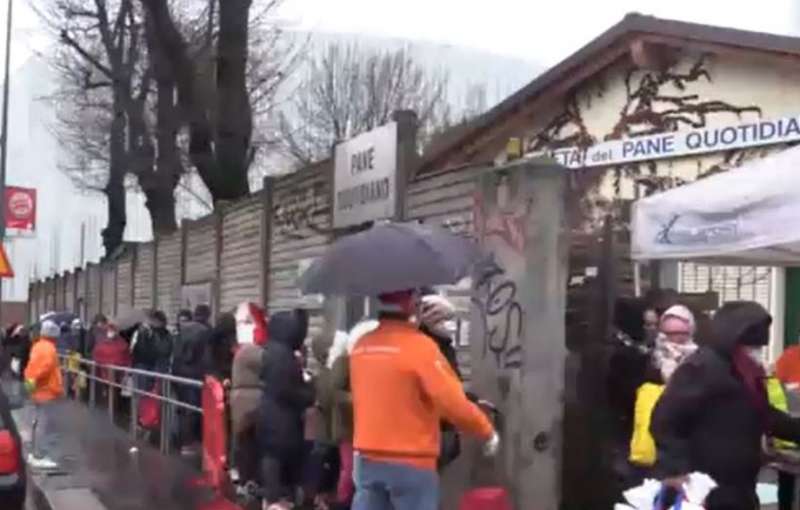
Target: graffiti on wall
x,y
501,316
302,212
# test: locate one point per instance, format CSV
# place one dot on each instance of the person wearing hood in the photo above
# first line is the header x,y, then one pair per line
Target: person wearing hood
x,y
287,394
714,411
247,388
403,387
220,348
43,382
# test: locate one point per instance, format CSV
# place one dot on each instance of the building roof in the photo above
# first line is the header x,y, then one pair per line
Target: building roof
x,y
601,52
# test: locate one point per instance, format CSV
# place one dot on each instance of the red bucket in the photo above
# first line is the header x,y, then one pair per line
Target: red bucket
x,y
486,498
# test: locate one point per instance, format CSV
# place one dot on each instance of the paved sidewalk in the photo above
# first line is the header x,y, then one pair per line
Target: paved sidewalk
x,y
100,472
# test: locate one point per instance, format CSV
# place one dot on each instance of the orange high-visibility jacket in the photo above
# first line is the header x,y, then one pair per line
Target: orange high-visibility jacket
x,y
402,388
44,372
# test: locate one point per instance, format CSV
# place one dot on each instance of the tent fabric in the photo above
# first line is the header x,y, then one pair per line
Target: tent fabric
x,y
747,216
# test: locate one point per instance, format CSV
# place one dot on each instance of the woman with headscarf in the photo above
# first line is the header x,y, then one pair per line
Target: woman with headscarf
x,y
714,411
674,344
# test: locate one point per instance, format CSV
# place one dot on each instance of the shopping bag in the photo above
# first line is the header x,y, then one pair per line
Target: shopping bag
x,y
150,411
486,498
127,386
643,447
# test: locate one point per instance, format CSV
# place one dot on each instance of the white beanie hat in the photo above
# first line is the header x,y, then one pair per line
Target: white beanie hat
x,y
50,330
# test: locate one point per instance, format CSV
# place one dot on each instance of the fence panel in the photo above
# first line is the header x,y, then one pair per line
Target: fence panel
x,y
201,254
80,296
143,276
69,291
301,231
168,274
108,279
125,283
240,263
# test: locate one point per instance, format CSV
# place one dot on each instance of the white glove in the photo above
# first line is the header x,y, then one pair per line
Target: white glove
x,y
307,376
492,446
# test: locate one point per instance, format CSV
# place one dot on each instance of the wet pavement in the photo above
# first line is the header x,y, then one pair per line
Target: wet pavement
x,y
98,470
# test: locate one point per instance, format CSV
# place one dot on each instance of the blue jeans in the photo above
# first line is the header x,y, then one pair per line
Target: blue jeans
x,y
45,434
385,486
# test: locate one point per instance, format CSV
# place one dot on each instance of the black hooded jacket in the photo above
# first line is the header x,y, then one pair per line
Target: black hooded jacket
x,y
706,420
286,396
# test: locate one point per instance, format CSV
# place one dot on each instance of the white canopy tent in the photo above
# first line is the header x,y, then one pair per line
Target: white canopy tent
x,y
747,216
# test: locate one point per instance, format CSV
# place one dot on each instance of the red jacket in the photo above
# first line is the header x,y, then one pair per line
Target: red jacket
x,y
111,352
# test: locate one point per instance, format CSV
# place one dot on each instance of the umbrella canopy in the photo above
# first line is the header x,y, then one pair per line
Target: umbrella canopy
x,y
60,318
391,257
745,216
131,319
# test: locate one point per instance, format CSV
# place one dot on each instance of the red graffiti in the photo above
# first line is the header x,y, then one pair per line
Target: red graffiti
x,y
508,226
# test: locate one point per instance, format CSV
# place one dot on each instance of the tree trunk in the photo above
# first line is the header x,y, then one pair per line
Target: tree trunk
x,y
160,202
114,232
234,114
221,152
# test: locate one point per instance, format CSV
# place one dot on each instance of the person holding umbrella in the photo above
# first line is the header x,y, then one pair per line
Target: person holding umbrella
x,y
403,387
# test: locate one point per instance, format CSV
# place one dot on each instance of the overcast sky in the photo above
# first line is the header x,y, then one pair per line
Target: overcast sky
x,y
542,31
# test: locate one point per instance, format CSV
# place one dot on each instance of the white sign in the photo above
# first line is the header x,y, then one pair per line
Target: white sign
x,y
681,143
365,177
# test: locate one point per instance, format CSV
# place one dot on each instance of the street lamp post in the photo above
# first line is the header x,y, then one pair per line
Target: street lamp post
x,y
4,138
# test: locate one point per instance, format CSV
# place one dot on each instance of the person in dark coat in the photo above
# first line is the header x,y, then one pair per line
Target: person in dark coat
x,y
287,394
189,362
220,348
16,351
714,411
152,348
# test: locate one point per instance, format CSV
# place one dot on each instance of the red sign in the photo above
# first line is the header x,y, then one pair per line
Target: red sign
x,y
20,208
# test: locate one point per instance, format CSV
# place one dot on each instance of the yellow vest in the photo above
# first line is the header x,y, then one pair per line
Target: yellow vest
x,y
777,399
643,447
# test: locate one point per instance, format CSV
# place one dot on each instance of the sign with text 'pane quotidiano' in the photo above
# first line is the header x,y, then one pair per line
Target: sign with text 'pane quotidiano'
x,y
365,178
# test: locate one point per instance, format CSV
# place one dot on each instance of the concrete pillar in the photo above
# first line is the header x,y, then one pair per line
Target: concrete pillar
x,y
517,334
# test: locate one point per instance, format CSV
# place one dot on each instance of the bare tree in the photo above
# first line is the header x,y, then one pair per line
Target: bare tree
x,y
215,105
349,90
99,56
117,108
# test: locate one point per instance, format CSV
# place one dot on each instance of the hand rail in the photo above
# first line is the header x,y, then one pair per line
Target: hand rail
x,y
165,382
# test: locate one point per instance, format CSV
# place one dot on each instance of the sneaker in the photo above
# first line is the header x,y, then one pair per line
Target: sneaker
x,y
41,463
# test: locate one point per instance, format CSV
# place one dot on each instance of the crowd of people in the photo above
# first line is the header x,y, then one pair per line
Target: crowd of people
x,y
315,427
692,393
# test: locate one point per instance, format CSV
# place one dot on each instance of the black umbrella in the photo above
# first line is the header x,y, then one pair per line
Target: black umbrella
x,y
391,257
60,318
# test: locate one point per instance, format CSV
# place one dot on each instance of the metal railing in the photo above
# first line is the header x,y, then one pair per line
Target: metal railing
x,y
115,377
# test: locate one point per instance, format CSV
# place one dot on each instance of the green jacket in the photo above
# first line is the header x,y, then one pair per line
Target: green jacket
x,y
342,429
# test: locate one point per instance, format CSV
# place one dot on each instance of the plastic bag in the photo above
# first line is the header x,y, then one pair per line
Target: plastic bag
x,y
647,495
643,447
127,386
150,411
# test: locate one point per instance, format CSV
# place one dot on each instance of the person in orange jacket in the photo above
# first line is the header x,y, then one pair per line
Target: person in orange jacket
x,y
43,382
402,388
